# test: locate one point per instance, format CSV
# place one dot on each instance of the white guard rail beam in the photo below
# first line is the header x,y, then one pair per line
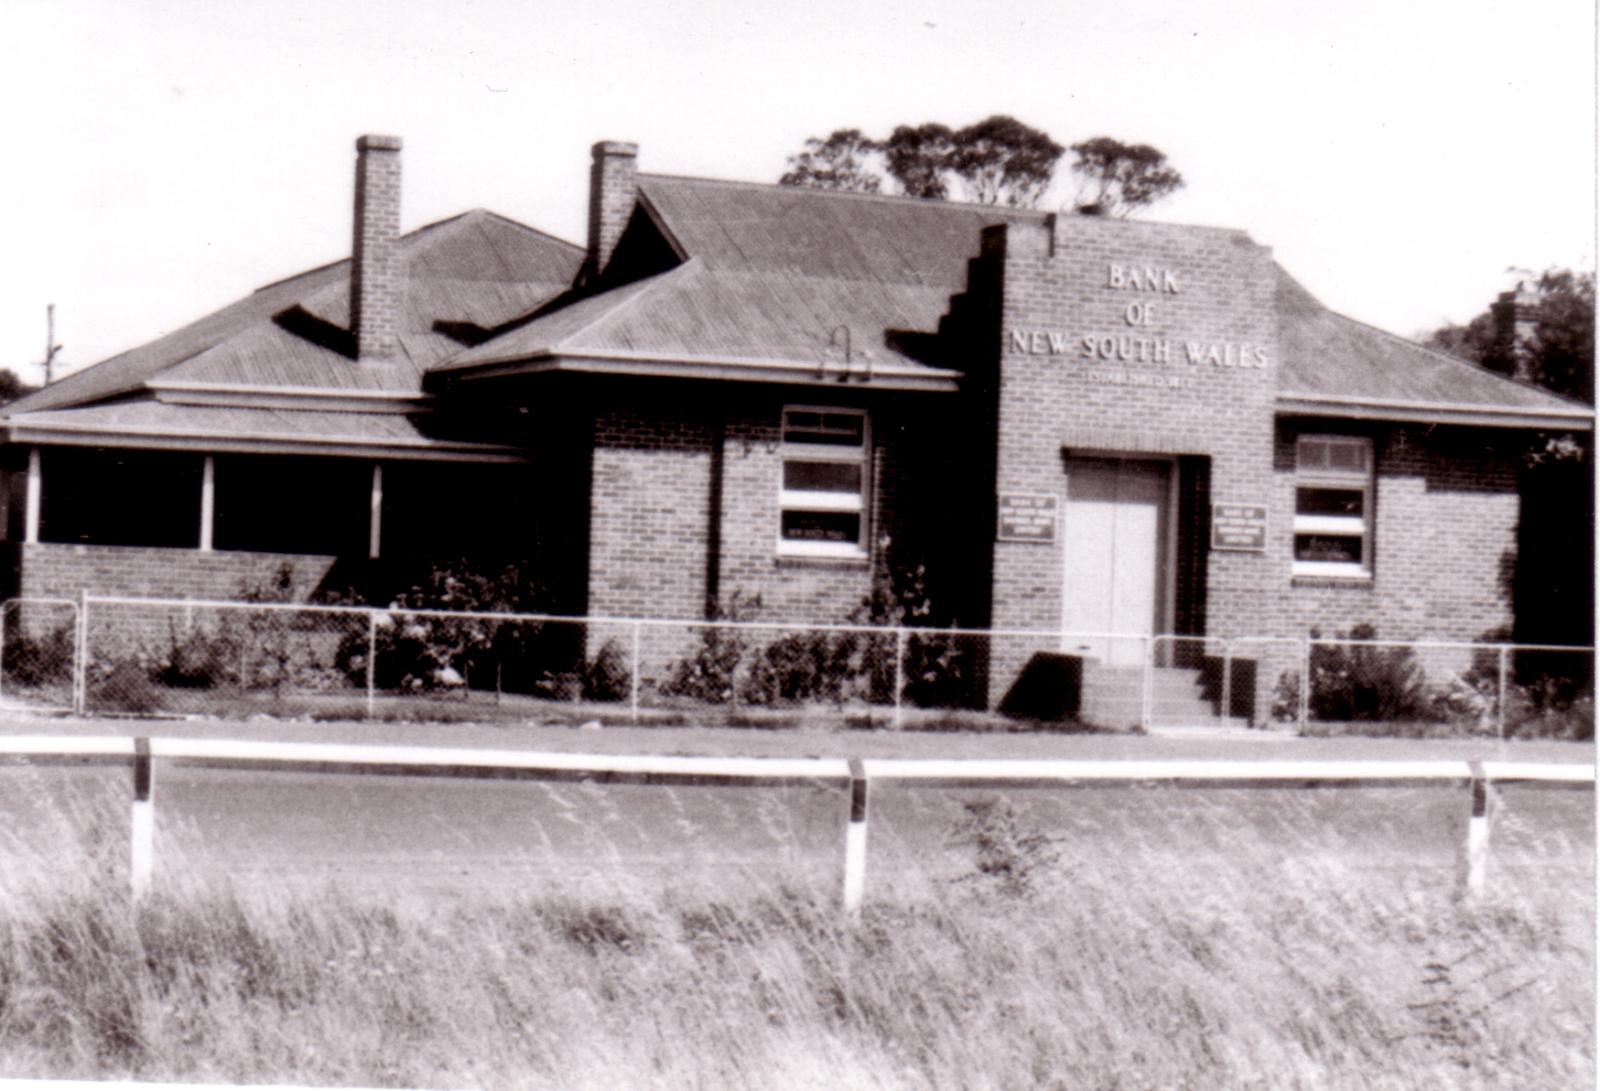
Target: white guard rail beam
x,y
418,761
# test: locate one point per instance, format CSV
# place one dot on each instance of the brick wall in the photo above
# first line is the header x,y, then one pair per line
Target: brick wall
x,y
1086,305
64,571
1443,542
651,518
1137,339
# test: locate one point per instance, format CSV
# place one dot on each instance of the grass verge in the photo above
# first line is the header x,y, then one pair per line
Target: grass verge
x,y
1045,965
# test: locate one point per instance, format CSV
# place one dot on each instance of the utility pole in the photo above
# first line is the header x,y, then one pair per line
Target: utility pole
x,y
50,346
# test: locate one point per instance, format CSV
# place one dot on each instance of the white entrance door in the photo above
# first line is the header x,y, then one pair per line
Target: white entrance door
x,y
1115,535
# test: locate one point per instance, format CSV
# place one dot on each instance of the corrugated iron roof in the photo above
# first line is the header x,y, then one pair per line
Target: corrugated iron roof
x,y
801,232
1328,356
695,310
226,427
773,274
477,267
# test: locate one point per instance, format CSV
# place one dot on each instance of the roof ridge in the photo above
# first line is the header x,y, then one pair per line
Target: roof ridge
x,y
491,213
1038,215
1477,369
647,286
414,236
891,198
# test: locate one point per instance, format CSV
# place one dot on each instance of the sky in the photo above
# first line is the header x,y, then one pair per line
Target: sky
x,y
165,157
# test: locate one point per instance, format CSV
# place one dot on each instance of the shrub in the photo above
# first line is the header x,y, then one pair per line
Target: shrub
x,y
1366,683
709,673
823,666
430,650
1010,856
941,672
606,677
122,685
199,658
1551,707
32,659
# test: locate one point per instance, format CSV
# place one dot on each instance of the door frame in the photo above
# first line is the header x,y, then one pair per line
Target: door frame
x,y
1167,546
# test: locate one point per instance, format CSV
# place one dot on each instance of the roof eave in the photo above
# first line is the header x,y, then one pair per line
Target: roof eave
x,y
1420,412
73,434
732,368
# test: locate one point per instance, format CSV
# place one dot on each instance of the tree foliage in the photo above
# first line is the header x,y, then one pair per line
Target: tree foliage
x,y
12,387
839,161
1552,582
1002,161
1118,179
996,161
918,157
1560,354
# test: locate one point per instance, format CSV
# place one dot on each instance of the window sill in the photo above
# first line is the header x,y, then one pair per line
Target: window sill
x,y
821,560
1356,580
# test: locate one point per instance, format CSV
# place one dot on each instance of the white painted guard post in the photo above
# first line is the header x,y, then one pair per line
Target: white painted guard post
x,y
143,859
1478,832
855,841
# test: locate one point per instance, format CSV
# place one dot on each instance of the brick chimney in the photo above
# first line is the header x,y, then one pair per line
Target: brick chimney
x,y
376,274
613,189
1516,322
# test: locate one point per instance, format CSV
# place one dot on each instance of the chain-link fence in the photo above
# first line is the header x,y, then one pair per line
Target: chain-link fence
x,y
38,654
1425,687
124,656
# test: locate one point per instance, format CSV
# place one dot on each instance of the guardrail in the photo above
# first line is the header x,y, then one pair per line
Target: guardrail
x,y
141,755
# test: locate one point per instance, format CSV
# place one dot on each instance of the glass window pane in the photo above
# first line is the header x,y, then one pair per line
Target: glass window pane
x,y
823,476
821,526
1327,547
1347,456
831,429
1319,501
1312,454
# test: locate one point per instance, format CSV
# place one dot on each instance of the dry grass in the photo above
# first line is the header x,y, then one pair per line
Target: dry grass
x,y
1129,965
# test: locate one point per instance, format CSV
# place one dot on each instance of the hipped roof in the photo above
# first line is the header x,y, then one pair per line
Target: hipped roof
x,y
477,267
786,274
1336,366
777,283
765,283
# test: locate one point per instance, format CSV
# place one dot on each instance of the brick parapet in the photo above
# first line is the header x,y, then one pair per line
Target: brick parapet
x,y
1131,338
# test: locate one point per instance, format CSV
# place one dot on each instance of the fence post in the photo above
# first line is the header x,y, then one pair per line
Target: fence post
x,y
143,820
1478,833
633,687
1500,704
80,651
1305,685
1147,690
372,663
855,841
899,675
1226,707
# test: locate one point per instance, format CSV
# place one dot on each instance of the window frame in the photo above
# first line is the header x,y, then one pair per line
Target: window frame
x,y
825,500
1324,476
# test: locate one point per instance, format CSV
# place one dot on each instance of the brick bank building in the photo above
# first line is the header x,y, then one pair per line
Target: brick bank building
x,y
1073,423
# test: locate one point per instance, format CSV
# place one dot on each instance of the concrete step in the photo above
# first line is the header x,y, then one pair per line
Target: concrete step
x,y
1115,696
